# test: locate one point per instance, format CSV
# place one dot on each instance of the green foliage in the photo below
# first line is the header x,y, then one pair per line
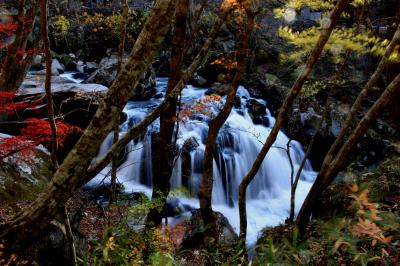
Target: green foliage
x,y
121,245
226,255
162,259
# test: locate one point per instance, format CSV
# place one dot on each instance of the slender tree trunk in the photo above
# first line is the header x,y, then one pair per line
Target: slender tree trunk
x,y
70,237
114,164
214,125
47,86
164,156
315,53
327,175
70,175
301,166
291,177
22,68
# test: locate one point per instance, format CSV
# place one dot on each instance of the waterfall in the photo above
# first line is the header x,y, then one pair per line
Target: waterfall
x,y
239,141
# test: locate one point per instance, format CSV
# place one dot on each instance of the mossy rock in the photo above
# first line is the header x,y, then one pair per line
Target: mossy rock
x,y
24,182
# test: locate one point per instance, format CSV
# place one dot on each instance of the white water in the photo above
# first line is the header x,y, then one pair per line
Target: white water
x,y
268,196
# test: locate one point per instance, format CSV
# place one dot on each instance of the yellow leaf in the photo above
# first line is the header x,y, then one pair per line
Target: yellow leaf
x,y
354,188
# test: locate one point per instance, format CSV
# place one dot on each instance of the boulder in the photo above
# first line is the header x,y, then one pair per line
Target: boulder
x,y
256,108
107,72
310,119
24,175
198,81
37,63
225,234
91,67
56,67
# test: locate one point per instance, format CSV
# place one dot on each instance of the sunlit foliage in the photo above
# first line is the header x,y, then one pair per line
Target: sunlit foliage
x,y
341,41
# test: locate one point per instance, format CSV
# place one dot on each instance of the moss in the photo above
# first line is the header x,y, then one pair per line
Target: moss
x,y
17,185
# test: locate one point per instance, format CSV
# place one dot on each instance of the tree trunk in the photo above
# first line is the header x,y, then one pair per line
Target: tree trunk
x,y
315,53
114,163
68,177
327,175
164,156
47,85
301,166
214,125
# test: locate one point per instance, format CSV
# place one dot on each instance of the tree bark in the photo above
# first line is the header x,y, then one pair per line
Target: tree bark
x,y
298,174
214,125
114,164
164,156
327,175
47,85
315,53
68,177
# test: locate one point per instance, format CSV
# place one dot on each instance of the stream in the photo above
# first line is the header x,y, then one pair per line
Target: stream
x,y
239,141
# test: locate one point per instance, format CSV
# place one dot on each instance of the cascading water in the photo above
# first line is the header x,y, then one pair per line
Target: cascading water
x,y
240,140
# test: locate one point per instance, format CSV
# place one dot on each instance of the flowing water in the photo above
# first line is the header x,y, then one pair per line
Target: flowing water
x,y
240,140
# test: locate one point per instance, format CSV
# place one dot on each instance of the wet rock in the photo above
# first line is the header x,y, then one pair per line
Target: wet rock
x,y
199,81
261,121
237,102
80,66
37,63
78,110
225,234
107,72
56,67
91,67
24,179
69,61
158,96
146,88
256,108
80,75
210,91
225,45
174,207
337,116
310,120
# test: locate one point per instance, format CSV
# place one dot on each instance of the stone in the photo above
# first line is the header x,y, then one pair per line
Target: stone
x,y
37,62
56,67
310,119
256,108
23,180
91,67
107,72
199,81
225,234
